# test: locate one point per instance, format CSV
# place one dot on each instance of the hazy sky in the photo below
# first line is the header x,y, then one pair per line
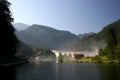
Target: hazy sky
x,y
77,16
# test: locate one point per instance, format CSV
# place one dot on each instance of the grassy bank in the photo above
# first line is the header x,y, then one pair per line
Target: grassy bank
x,y
96,59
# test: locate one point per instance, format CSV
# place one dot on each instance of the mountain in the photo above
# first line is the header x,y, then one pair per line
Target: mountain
x,y
23,51
97,40
47,37
20,26
85,35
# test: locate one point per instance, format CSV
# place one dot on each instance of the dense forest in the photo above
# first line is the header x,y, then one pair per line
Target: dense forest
x,y
112,50
98,40
107,41
43,53
8,41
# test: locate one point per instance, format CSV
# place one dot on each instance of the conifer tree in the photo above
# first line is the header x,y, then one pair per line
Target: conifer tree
x,y
8,40
111,44
60,57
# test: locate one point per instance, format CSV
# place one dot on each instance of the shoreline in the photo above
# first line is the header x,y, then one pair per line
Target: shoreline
x,y
90,61
11,60
13,63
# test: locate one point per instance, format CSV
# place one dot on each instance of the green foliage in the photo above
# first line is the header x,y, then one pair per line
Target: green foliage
x,y
111,44
111,38
114,25
98,39
104,58
117,52
42,51
101,52
60,57
109,35
97,59
9,40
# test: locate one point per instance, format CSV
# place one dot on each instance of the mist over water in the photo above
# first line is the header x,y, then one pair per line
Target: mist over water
x,y
43,58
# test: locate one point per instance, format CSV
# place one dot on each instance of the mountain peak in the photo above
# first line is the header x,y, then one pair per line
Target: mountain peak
x,y
41,26
47,37
20,26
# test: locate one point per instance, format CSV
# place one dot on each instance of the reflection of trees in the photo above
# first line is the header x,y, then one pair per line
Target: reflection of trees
x,y
111,72
7,73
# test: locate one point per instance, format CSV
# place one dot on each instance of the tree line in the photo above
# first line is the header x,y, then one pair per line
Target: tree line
x,y
111,52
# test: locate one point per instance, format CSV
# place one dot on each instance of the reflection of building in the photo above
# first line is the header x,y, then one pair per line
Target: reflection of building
x,y
78,56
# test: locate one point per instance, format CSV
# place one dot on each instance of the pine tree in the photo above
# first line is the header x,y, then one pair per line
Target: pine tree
x,y
8,40
117,53
60,57
111,44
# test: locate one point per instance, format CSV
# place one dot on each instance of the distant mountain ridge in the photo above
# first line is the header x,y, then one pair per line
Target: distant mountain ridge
x,y
50,38
20,26
85,35
46,37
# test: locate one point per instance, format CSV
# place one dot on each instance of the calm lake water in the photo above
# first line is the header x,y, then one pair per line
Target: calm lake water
x,y
61,71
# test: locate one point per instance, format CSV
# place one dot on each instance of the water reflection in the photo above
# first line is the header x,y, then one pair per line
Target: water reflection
x,y
37,71
66,71
49,70
78,71
7,73
110,71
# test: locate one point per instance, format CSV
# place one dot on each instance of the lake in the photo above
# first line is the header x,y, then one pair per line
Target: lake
x,y
61,71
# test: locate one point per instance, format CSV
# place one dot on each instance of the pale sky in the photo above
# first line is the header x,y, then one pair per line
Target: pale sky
x,y
76,16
